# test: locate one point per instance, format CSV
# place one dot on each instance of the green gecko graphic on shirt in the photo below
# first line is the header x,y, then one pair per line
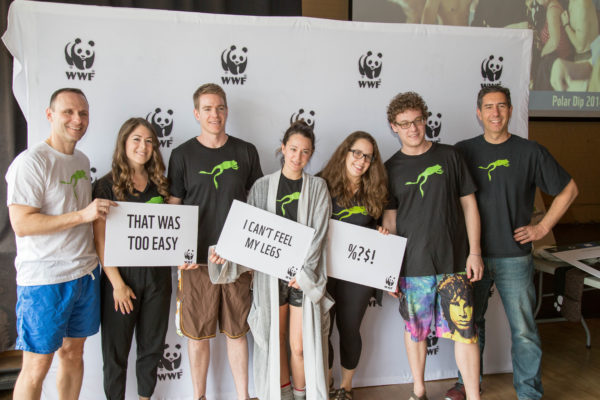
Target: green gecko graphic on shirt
x,y
219,170
351,211
156,200
288,199
492,166
435,169
79,174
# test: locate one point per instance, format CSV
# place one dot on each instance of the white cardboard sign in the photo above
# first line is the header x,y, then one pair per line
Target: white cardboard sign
x,y
264,241
585,256
363,255
150,235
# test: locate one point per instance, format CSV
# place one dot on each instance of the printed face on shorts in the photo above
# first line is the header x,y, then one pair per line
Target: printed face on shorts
x,y
461,313
457,305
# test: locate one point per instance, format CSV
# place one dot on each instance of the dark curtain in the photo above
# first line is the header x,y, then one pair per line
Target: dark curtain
x,y
240,7
13,128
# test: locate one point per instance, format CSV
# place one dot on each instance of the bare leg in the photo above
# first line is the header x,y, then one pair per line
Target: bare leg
x,y
284,366
558,75
30,380
70,369
416,353
296,347
199,353
570,76
237,351
347,375
467,360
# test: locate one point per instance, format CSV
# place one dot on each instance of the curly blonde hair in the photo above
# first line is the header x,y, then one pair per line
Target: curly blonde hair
x,y
122,173
372,191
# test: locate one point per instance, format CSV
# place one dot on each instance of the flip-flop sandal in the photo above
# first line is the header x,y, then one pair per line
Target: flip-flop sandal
x,y
413,396
342,394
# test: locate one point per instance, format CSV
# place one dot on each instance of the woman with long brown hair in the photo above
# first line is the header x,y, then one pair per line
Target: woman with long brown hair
x,y
135,298
357,182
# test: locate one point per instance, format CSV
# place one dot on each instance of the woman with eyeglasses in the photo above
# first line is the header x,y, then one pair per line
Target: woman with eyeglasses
x,y
137,298
357,183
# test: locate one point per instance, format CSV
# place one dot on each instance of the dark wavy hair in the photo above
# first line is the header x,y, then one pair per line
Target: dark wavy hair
x,y
122,173
452,289
300,127
493,89
372,191
406,101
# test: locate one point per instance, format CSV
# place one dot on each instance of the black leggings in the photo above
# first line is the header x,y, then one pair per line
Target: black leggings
x,y
149,319
351,301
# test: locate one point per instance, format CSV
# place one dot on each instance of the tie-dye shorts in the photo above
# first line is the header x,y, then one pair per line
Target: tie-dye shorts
x,y
445,299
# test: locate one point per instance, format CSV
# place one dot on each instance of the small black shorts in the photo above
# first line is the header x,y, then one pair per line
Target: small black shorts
x,y
289,295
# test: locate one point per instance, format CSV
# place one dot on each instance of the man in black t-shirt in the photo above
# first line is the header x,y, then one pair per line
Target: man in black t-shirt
x,y
507,170
432,204
210,171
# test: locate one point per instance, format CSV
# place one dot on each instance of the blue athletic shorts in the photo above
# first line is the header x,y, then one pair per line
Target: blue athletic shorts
x,y
48,313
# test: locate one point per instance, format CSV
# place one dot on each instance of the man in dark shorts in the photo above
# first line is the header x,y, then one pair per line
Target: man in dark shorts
x,y
210,171
507,169
432,204
58,275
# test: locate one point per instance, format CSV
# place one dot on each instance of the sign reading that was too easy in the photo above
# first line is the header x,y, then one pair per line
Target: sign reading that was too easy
x,y
150,235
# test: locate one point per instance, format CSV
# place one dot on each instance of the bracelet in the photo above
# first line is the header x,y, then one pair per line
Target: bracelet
x,y
473,254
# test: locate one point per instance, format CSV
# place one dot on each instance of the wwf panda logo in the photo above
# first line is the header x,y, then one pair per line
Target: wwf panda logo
x,y
390,282
291,272
234,60
171,358
80,54
93,171
189,256
491,68
162,121
434,126
308,117
432,340
369,65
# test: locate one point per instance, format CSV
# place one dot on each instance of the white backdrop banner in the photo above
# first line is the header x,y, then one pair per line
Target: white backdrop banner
x,y
338,76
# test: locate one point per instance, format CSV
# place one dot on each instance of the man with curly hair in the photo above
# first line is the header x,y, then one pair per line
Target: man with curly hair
x,y
432,204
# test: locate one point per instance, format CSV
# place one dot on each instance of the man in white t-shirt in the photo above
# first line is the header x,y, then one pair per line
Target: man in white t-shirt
x,y
50,209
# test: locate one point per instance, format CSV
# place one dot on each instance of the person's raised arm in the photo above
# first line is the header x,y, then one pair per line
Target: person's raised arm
x,y
554,23
27,220
430,12
559,206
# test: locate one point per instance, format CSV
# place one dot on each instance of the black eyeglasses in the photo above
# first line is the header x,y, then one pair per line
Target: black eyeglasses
x,y
357,154
419,121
